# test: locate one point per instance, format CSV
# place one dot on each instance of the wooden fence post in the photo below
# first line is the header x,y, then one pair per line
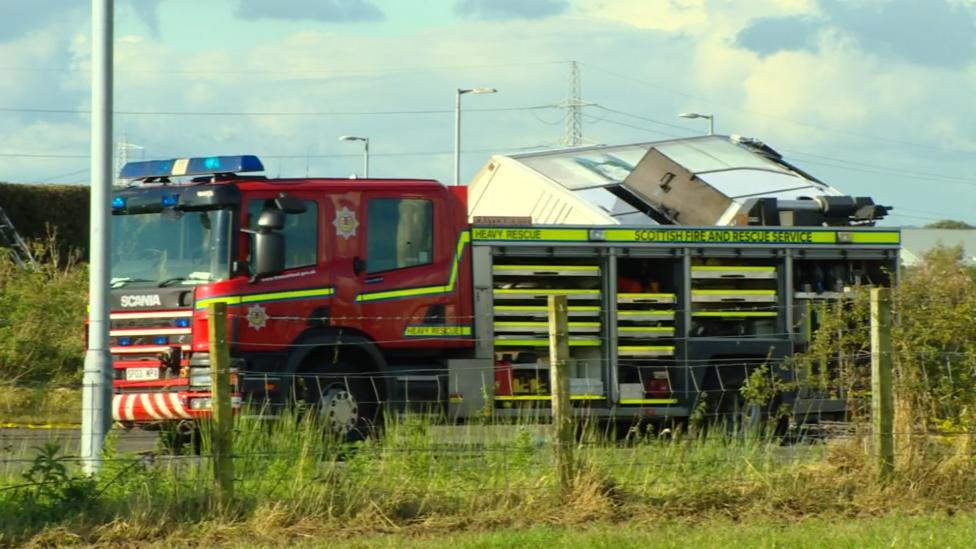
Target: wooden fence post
x,y
562,413
222,419
882,396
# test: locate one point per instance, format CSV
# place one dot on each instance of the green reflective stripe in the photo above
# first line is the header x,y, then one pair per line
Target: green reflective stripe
x,y
323,292
545,324
409,292
625,329
546,291
729,237
637,401
230,300
875,237
534,308
271,296
735,313
530,234
463,240
583,268
545,397
732,291
731,268
544,342
437,331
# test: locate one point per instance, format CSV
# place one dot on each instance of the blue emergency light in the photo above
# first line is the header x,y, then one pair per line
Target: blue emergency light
x,y
118,203
177,167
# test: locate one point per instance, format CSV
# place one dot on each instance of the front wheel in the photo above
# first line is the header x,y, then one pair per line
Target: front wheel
x,y
347,405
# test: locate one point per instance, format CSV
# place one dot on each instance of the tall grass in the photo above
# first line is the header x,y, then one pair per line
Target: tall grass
x,y
293,481
42,317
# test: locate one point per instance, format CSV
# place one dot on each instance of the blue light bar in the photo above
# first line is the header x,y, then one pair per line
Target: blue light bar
x,y
177,167
160,340
125,341
182,322
171,200
118,203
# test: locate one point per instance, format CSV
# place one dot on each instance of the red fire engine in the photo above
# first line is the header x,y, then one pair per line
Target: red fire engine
x,y
356,297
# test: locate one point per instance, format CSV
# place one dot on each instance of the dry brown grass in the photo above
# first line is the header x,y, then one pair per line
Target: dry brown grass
x,y
843,484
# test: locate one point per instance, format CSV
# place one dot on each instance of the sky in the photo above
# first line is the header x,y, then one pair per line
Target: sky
x,y
874,97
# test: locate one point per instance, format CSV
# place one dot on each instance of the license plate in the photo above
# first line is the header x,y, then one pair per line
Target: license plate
x,y
141,374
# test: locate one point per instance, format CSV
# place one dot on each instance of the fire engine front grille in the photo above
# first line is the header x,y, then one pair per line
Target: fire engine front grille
x,y
130,332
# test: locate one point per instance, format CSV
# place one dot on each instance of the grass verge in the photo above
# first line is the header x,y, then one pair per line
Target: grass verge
x,y
294,484
39,406
930,530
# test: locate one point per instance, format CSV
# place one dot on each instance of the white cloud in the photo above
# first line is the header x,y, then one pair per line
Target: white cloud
x,y
633,53
693,16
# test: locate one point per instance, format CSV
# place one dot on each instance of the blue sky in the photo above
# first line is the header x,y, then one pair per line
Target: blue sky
x,y
873,96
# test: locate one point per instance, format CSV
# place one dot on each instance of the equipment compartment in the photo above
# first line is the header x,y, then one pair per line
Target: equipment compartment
x,y
647,298
521,287
734,297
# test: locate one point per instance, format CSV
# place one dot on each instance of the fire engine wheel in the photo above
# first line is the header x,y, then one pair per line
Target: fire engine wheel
x,y
346,405
339,410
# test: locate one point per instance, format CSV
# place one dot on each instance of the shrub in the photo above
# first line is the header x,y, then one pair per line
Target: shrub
x,y
42,315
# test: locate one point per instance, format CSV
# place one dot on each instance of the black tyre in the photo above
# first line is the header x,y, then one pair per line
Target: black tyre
x,y
181,439
347,404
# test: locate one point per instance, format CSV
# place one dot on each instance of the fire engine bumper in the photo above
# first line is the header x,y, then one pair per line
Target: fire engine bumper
x,y
153,407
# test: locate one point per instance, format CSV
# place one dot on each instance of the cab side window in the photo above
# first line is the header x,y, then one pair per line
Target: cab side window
x,y
301,232
400,233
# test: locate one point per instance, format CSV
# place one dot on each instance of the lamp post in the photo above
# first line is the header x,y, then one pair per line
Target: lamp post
x,y
365,141
457,127
710,117
96,398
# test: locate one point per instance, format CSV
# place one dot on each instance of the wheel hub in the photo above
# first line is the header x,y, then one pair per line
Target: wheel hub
x,y
339,410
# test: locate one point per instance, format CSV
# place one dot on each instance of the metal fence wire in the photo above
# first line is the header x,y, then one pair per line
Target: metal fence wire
x,y
925,383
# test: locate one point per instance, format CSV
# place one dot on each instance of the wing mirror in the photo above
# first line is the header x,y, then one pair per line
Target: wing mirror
x,y
271,220
290,205
269,254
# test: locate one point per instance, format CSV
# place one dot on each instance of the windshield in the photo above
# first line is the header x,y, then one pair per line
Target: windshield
x,y
170,247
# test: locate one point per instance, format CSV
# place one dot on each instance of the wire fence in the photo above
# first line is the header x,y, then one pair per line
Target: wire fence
x,y
766,408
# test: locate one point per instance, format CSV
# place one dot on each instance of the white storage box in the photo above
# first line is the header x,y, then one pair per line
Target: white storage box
x,y
585,386
631,391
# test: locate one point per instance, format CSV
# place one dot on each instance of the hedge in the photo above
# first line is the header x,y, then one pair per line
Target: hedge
x,y
32,208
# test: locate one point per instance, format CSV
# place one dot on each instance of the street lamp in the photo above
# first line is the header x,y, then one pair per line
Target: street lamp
x,y
457,127
710,117
365,141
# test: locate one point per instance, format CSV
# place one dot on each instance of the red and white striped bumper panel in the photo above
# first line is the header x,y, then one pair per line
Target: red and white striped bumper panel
x,y
141,407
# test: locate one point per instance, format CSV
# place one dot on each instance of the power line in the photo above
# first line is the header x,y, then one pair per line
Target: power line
x,y
42,155
320,70
641,128
278,113
293,156
897,171
777,117
889,172
646,119
840,163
